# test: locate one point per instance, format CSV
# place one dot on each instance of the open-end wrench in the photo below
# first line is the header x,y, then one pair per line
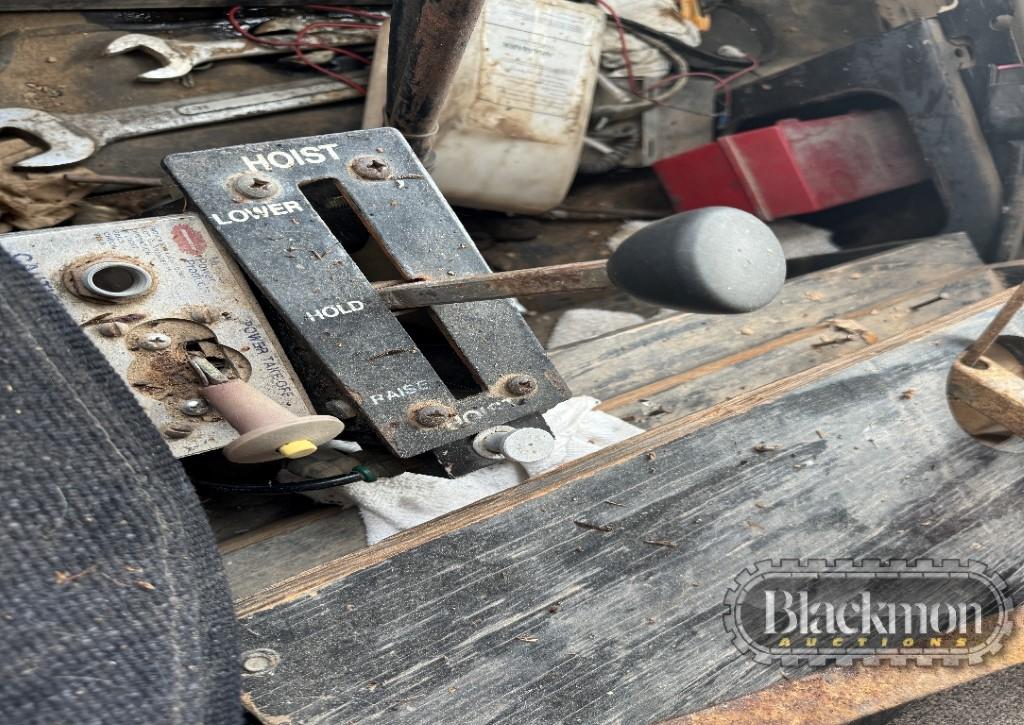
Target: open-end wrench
x,y
74,137
179,57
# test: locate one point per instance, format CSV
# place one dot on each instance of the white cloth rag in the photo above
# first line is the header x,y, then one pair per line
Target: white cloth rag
x,y
390,505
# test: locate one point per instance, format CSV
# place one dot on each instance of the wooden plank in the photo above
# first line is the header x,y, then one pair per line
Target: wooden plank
x,y
836,696
277,527
676,396
761,361
507,611
260,558
625,361
308,583
232,515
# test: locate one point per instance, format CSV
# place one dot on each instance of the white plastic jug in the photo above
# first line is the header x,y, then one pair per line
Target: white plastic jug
x,y
511,130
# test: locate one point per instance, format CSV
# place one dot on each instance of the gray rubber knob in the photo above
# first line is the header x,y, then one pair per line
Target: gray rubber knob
x,y
717,260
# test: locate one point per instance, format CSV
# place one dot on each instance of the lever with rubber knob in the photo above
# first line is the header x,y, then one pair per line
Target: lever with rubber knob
x,y
717,260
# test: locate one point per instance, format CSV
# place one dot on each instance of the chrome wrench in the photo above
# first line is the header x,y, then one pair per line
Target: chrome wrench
x,y
180,57
74,137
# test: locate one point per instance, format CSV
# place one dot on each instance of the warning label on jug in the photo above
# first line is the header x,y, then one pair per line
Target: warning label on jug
x,y
538,66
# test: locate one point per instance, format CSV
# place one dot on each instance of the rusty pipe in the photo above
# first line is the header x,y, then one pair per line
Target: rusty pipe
x,y
426,44
575,277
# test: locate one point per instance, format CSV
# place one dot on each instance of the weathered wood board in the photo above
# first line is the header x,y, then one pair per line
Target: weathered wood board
x,y
678,395
833,696
639,362
684,363
266,555
508,611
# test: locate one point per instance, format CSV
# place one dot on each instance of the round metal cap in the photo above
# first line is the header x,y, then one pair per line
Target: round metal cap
x,y
523,445
528,445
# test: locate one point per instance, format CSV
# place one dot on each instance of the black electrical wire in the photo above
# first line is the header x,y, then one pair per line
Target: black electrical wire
x,y
357,474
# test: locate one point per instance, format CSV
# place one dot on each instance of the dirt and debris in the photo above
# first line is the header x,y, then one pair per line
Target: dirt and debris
x,y
108,317
853,327
931,301
652,408
826,340
38,199
593,527
66,577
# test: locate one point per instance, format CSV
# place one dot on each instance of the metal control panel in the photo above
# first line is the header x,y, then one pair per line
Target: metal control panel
x,y
266,202
148,291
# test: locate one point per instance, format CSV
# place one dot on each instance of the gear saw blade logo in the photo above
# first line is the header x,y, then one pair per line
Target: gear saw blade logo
x,y
821,612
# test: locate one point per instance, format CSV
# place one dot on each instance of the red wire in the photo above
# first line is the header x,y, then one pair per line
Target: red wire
x,y
720,82
754,65
298,44
340,51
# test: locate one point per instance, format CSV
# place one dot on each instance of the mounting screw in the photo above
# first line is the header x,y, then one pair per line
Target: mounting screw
x,y
431,416
260,660
521,385
194,406
256,187
372,168
177,431
111,329
155,341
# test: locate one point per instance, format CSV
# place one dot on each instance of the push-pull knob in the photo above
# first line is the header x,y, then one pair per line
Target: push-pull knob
x,y
267,430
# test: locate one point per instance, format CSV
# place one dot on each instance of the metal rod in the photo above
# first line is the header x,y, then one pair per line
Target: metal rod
x,y
113,179
576,277
427,40
980,346
207,371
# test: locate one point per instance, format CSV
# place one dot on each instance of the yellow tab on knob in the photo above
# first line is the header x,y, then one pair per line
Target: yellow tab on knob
x,y
297,449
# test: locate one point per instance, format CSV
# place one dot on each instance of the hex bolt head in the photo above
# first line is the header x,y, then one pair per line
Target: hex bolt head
x,y
177,431
111,329
371,168
194,406
431,416
255,186
155,341
260,660
521,385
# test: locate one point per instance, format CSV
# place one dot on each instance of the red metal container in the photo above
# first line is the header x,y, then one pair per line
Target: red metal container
x,y
797,167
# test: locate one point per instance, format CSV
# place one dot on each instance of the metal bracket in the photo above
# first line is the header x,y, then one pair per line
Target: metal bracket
x,y
252,197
